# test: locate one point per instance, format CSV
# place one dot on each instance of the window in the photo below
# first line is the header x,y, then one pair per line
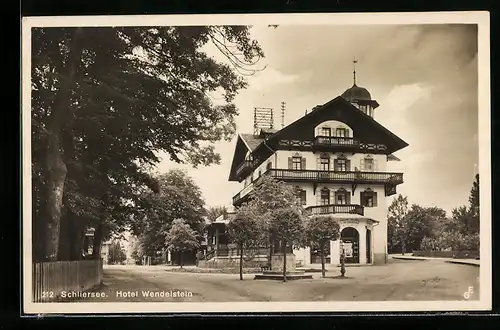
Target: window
x,y
342,164
269,165
325,196
302,195
260,173
324,162
341,132
342,197
296,163
368,163
368,198
326,131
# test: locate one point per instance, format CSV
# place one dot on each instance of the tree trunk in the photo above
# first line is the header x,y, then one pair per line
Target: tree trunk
x,y
181,258
55,168
97,244
56,176
65,238
271,247
323,259
284,261
403,247
241,262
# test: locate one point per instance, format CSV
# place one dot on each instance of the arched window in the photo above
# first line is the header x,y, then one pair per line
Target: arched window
x,y
342,197
368,198
341,163
269,166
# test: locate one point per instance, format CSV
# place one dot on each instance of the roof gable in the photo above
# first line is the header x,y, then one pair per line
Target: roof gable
x,y
365,127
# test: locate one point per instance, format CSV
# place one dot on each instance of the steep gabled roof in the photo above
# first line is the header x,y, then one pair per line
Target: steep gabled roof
x,y
366,128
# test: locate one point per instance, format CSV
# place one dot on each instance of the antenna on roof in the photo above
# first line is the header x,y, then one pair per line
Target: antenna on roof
x,y
262,118
283,106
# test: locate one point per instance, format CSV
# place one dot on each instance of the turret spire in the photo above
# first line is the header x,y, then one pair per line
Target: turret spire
x,y
354,61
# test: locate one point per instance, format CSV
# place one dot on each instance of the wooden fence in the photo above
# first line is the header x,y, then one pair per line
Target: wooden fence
x,y
52,279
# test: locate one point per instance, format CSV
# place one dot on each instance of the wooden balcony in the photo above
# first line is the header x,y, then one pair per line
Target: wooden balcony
x,y
336,176
335,209
244,169
333,141
242,195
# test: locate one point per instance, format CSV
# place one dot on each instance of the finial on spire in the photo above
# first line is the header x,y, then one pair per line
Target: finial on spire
x,y
354,61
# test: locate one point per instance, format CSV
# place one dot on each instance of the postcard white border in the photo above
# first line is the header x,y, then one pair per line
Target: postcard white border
x,y
484,167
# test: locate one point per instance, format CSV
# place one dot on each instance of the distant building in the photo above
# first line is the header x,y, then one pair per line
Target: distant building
x,y
88,245
335,156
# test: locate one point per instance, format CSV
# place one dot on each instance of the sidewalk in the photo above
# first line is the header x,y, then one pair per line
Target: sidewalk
x,y
469,262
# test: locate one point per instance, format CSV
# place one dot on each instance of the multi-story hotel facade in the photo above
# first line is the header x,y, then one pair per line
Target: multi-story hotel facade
x,y
335,156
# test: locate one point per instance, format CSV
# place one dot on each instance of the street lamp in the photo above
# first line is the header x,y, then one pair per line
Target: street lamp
x,y
342,259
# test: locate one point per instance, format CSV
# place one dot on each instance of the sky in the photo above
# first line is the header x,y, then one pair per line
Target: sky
x,y
423,76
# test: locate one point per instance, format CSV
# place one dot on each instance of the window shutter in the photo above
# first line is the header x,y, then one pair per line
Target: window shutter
x,y
332,197
348,165
362,164
290,163
318,197
319,162
375,167
303,163
348,198
335,165
362,198
374,199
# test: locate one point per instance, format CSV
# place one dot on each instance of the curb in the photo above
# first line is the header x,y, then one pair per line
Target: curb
x,y
462,263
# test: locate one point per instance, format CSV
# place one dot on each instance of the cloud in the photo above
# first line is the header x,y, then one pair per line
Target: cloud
x,y
423,76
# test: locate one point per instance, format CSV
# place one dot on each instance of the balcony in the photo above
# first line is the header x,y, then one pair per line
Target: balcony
x,y
332,141
336,176
244,169
335,209
242,195
390,180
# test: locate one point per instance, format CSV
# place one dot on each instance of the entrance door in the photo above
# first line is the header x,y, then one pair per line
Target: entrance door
x,y
350,241
368,246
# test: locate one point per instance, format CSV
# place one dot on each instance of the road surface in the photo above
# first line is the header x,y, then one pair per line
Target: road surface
x,y
399,280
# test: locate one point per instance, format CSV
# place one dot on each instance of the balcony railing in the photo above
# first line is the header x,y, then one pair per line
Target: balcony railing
x,y
243,193
336,176
335,209
389,179
244,168
336,141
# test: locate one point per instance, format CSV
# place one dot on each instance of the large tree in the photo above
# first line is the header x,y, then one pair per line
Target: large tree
x,y
319,231
244,231
178,196
106,101
398,220
268,196
287,227
181,238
